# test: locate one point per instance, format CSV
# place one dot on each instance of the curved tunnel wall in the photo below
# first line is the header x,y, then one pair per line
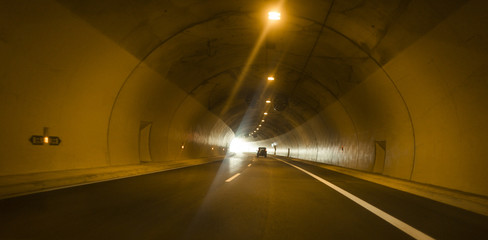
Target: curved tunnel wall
x,y
181,127
428,104
59,72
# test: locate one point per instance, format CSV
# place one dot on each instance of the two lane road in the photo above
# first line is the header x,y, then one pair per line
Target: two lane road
x,y
241,197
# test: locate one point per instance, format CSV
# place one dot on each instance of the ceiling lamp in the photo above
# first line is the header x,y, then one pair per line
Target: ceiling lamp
x,y
274,15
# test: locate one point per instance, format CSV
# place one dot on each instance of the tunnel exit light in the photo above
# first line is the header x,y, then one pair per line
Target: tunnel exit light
x,y
239,145
274,15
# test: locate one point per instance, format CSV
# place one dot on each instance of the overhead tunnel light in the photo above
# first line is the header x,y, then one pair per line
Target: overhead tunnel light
x,y
273,15
268,101
271,78
262,120
265,113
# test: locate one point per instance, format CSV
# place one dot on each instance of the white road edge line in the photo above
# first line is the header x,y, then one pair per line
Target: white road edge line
x,y
232,178
385,216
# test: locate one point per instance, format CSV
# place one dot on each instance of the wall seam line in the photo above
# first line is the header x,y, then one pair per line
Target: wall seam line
x,y
131,73
398,91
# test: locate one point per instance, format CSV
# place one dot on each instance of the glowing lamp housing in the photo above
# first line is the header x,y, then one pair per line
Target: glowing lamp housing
x,y
273,15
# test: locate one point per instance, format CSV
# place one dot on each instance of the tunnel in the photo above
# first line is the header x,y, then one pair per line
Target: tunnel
x,y
396,89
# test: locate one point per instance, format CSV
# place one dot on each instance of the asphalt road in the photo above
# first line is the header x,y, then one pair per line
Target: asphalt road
x,y
242,197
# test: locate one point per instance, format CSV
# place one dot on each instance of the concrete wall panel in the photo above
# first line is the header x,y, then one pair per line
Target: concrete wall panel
x,y
443,77
330,137
381,115
60,73
194,131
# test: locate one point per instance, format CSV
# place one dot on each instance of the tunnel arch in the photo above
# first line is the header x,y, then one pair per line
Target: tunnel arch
x,y
408,73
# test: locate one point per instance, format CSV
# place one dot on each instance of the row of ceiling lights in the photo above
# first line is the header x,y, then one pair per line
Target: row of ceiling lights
x,y
272,16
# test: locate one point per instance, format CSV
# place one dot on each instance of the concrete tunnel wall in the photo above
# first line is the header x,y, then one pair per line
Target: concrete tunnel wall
x,y
429,104
61,73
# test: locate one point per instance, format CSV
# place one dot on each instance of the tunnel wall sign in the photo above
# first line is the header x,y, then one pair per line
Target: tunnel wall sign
x,y
40,140
37,140
54,141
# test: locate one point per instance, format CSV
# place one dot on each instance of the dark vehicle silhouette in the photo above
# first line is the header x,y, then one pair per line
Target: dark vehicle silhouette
x,y
262,152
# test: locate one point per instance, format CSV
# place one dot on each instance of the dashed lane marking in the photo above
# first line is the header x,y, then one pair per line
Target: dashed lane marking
x,y
233,177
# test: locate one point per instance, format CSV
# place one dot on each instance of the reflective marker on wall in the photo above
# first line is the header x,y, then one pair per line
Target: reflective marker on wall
x,y
36,140
40,140
54,140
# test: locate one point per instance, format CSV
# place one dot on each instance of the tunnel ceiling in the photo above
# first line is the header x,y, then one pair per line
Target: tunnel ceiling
x,y
318,51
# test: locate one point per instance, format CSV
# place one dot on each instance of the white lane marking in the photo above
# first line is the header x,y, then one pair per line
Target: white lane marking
x,y
232,178
385,216
249,165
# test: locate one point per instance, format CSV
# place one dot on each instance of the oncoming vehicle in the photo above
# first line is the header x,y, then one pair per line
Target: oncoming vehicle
x,y
262,152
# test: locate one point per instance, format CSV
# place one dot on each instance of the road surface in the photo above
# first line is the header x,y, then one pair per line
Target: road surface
x,y
241,197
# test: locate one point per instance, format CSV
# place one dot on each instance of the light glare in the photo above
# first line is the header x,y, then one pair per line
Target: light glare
x,y
239,145
271,78
274,15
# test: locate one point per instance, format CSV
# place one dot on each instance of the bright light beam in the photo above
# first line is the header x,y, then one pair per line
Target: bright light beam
x,y
246,68
239,145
